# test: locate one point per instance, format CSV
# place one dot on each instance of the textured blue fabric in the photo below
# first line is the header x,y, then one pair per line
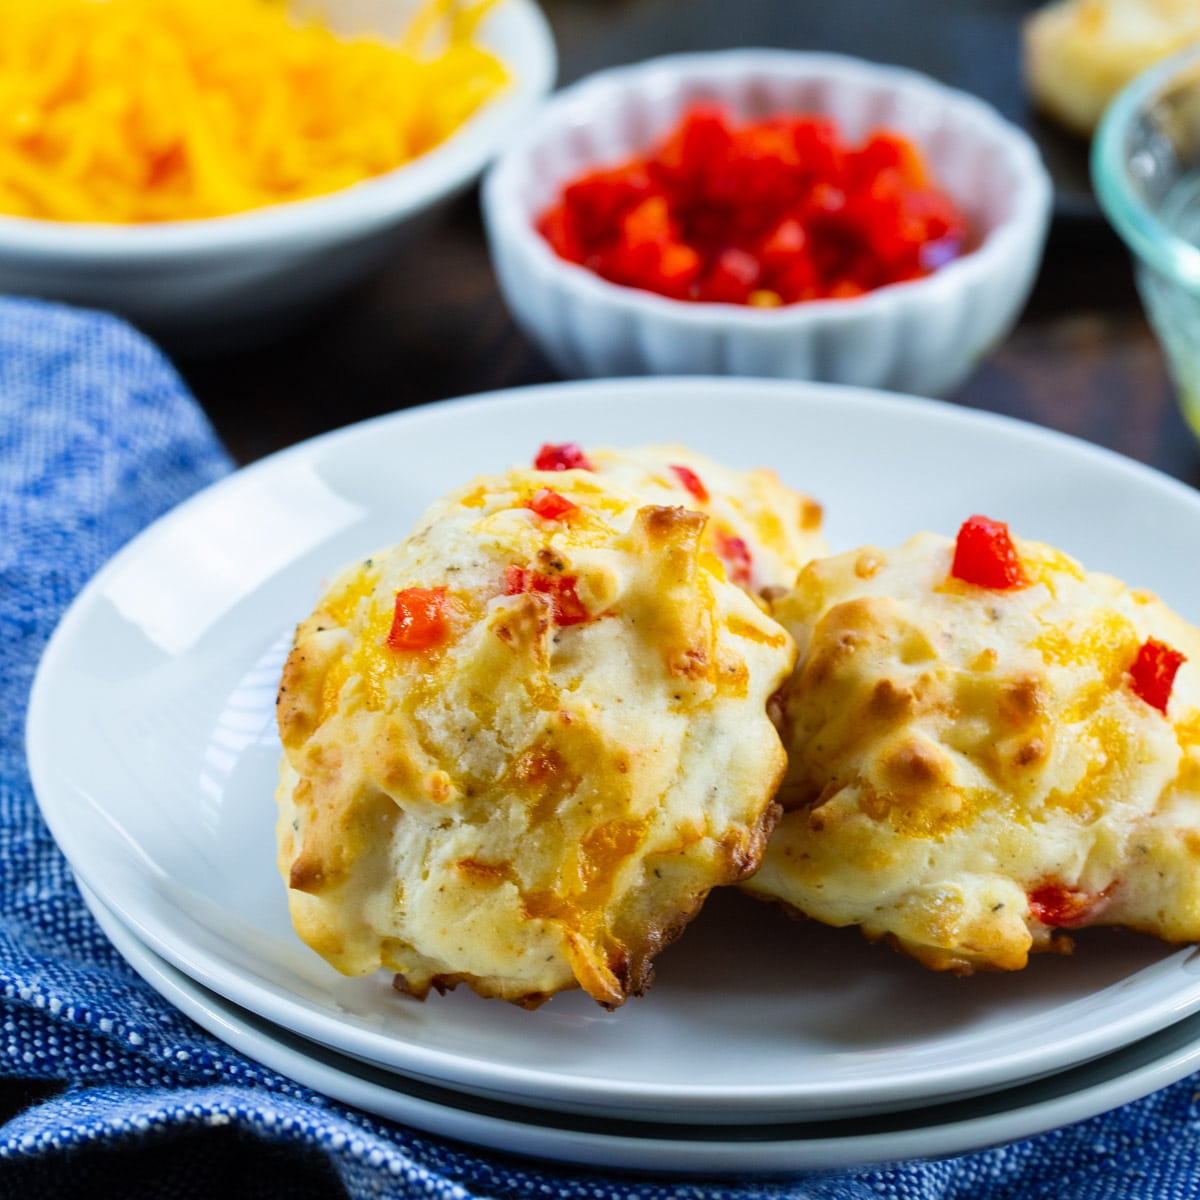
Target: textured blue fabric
x,y
97,438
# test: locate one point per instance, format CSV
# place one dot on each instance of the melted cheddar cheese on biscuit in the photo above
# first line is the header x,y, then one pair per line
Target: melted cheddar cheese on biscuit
x,y
762,530
973,769
522,746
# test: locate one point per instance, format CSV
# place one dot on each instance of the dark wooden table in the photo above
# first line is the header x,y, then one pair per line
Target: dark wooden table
x,y
432,325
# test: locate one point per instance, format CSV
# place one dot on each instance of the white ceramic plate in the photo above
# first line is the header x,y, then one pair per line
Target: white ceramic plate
x,y
153,753
933,1132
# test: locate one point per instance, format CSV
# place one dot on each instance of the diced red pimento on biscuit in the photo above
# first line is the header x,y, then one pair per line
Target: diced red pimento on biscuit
x,y
735,554
568,608
564,456
1153,672
691,481
1060,907
420,620
550,505
984,555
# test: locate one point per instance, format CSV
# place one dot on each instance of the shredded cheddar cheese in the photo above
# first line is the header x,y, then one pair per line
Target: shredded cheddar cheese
x,y
157,110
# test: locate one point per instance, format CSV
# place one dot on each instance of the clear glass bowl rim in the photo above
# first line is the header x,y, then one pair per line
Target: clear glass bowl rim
x,y
1139,226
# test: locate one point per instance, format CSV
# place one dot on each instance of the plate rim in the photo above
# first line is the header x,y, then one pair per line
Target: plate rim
x,y
564,1141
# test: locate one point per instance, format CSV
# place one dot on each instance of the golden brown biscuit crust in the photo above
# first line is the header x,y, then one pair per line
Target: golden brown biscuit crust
x,y
763,531
535,803
970,770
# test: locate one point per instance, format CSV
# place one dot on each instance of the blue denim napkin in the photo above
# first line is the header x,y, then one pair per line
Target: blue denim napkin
x,y
98,436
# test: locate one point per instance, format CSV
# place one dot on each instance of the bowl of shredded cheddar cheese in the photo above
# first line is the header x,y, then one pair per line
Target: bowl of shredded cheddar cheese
x,y
207,169
729,213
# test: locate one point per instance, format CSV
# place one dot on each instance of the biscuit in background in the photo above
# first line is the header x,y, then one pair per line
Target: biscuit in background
x,y
974,769
1079,53
522,746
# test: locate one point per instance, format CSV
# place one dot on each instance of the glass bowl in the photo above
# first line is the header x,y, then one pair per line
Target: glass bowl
x,y
1146,174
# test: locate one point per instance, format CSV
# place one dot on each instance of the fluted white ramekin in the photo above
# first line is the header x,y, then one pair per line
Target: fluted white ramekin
x,y
923,336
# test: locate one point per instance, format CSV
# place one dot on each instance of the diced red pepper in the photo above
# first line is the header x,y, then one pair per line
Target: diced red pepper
x,y
600,199
558,226
984,555
890,236
796,280
735,554
564,456
701,140
733,277
783,244
888,152
648,222
1154,671
420,620
826,199
780,208
819,148
847,289
691,481
758,174
647,252
568,608
1059,907
550,505
675,271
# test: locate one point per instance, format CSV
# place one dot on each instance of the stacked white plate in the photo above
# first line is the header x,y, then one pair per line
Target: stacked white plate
x,y
765,1044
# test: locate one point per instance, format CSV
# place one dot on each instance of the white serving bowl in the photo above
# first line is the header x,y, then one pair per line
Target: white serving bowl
x,y
230,278
922,336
